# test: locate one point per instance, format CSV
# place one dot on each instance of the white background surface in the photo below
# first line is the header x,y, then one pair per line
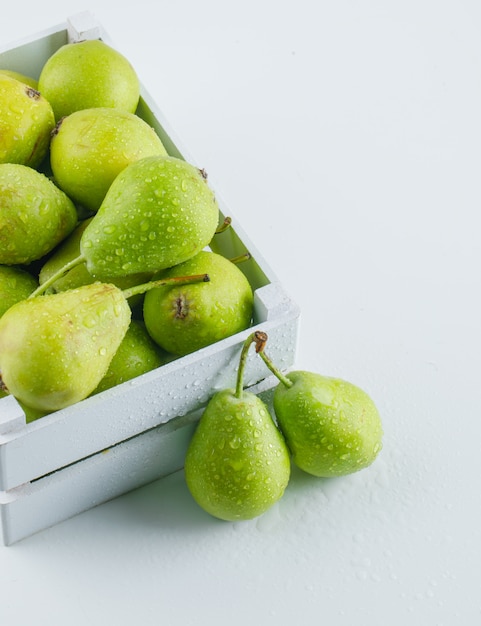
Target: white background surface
x,y
345,137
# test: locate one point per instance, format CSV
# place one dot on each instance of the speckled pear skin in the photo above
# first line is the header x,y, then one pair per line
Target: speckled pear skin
x,y
87,74
35,215
55,349
331,426
15,284
237,465
185,318
89,148
158,212
26,121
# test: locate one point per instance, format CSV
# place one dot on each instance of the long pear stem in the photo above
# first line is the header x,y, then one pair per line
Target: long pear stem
x,y
162,282
283,379
58,274
259,338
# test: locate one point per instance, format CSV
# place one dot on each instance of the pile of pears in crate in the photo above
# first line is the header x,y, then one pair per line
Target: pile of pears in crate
x,y
106,272
94,215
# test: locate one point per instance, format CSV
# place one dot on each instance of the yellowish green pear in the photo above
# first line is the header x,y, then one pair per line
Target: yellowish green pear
x,y
87,74
182,319
331,426
158,212
26,121
89,148
237,464
35,215
56,348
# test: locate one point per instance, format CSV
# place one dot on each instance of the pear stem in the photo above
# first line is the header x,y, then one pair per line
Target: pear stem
x,y
58,274
259,338
241,258
163,282
224,226
283,379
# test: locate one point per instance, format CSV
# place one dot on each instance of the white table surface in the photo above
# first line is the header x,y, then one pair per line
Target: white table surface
x,y
345,136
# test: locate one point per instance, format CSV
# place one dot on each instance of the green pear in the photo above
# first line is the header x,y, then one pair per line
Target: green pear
x,y
184,319
35,215
158,212
77,276
23,78
26,121
88,74
237,464
331,426
136,355
89,148
15,284
56,348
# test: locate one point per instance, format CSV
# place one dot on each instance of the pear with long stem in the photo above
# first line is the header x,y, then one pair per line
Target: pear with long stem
x,y
331,426
56,348
237,464
158,212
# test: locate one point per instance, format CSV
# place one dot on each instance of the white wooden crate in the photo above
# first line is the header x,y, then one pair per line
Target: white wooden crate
x,y
118,440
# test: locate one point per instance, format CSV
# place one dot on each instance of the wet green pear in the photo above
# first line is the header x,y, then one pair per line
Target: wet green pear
x,y
182,319
88,74
26,121
158,212
89,148
237,464
15,284
331,426
136,355
35,215
56,348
